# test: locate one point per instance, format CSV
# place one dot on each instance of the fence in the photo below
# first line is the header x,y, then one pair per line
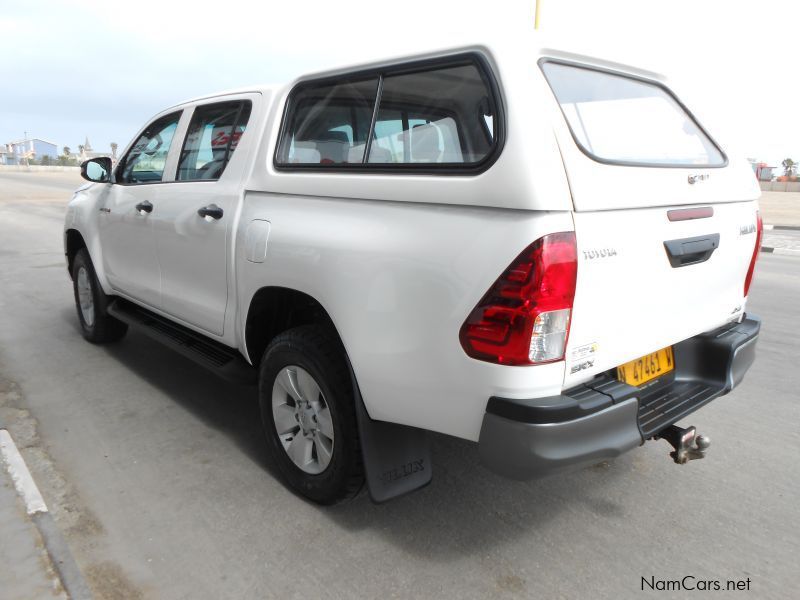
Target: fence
x,y
780,186
39,168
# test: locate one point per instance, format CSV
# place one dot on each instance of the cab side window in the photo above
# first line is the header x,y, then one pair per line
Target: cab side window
x,y
145,161
213,135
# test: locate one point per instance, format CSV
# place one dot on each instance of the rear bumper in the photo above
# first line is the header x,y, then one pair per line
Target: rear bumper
x,y
601,419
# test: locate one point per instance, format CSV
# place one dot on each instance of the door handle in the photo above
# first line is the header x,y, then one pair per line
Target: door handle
x,y
144,207
691,250
212,210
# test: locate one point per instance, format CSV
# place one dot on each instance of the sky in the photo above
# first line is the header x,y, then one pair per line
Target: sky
x,y
101,69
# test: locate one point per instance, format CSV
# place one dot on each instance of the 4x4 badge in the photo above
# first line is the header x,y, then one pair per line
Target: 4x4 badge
x,y
695,178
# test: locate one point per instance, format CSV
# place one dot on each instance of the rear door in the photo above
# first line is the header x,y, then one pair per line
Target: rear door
x,y
665,222
195,219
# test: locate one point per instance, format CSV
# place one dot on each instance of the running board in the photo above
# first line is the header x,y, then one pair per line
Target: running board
x,y
226,362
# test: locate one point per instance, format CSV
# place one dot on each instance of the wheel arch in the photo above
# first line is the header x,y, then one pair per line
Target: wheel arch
x,y
273,310
385,447
73,242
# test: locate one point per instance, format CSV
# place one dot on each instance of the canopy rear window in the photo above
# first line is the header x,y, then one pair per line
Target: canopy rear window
x,y
623,120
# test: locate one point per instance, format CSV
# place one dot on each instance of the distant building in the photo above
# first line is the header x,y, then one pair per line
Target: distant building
x,y
88,152
763,171
31,148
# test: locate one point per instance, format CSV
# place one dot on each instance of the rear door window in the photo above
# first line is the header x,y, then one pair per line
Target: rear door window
x,y
424,118
619,119
145,161
212,138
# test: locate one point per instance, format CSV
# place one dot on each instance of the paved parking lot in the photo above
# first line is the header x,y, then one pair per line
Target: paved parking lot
x,y
156,473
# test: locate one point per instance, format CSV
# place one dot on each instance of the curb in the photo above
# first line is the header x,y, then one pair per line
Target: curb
x,y
784,251
60,556
782,227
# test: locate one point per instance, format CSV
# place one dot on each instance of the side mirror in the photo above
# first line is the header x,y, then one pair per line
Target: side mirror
x,y
97,169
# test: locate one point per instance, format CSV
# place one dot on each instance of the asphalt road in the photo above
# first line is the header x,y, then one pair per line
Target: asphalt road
x,y
156,471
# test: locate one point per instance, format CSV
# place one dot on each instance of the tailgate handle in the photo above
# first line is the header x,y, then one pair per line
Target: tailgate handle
x,y
691,250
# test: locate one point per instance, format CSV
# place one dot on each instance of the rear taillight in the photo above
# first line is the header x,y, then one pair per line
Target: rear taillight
x,y
756,250
524,317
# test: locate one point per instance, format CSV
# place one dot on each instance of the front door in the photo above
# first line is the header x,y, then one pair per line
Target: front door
x,y
125,222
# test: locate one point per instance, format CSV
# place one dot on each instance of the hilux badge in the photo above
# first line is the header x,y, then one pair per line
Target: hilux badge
x,y
747,229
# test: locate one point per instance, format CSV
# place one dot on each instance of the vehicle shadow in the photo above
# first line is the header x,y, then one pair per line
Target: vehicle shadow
x,y
229,408
466,509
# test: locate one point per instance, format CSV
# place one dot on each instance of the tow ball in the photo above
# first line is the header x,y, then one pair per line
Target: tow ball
x,y
687,443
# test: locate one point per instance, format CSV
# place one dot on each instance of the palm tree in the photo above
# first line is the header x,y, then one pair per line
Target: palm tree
x,y
114,147
80,149
67,151
789,167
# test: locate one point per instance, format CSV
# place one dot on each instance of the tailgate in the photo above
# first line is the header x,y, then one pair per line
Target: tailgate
x,y
635,294
652,271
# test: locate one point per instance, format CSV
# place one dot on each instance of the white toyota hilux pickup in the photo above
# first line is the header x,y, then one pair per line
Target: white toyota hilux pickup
x,y
540,252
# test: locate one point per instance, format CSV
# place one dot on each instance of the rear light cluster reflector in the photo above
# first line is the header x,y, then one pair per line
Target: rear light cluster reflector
x,y
524,318
759,234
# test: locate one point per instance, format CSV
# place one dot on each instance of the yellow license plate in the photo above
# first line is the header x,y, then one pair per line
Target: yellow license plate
x,y
648,367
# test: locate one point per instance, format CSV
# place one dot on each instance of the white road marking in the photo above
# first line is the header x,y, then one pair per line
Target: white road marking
x,y
787,251
768,227
16,467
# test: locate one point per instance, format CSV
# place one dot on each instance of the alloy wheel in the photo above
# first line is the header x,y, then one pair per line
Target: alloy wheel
x,y
302,419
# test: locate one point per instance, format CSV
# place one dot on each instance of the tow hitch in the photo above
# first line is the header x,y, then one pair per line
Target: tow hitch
x,y
687,443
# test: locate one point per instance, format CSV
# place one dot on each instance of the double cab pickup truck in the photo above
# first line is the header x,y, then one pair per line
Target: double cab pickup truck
x,y
541,252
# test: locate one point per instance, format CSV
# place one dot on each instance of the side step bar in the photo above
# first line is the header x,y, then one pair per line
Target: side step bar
x,y
226,362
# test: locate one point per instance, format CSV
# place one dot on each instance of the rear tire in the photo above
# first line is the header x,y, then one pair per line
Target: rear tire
x,y
308,412
91,303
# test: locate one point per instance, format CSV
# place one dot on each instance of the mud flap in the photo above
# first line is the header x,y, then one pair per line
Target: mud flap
x,y
397,458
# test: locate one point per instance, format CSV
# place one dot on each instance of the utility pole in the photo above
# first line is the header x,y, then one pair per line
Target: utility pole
x,y
25,149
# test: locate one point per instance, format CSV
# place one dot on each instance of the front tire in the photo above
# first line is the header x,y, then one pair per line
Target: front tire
x,y
91,303
308,412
